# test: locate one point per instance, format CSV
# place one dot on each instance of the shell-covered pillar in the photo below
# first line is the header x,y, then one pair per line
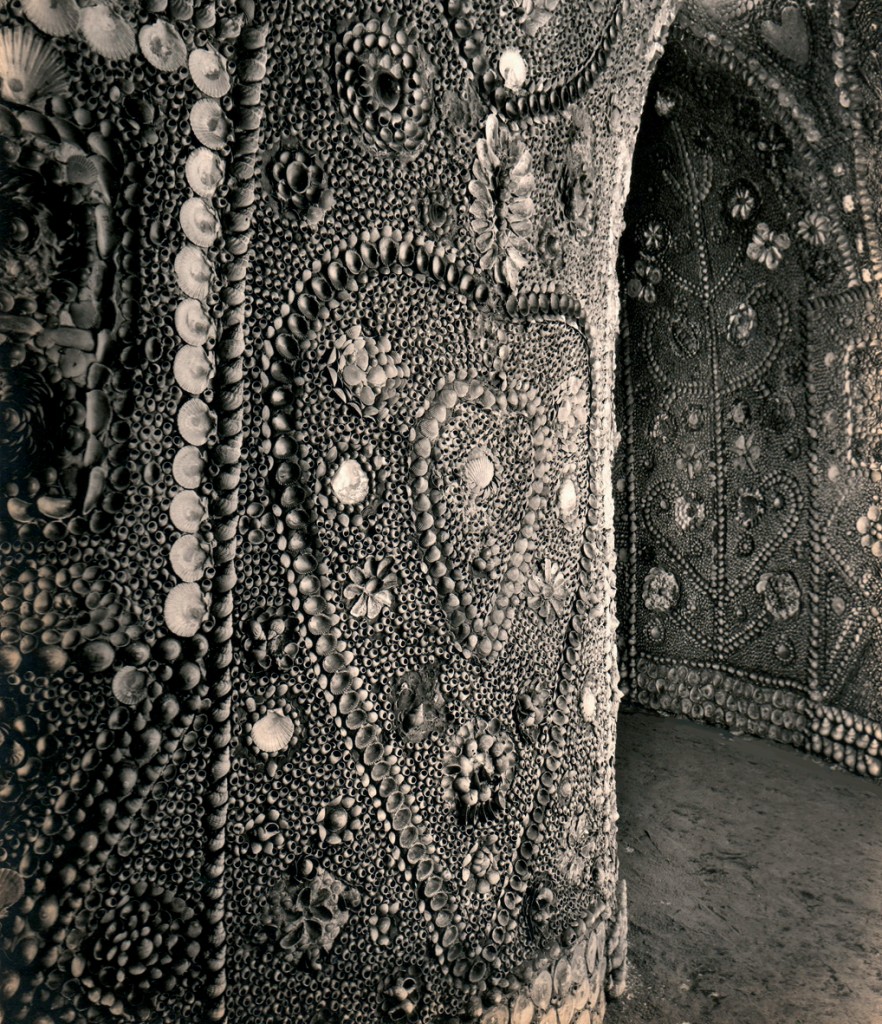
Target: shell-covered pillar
x,y
307,317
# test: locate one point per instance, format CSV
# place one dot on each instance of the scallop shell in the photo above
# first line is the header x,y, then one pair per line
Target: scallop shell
x,y
187,511
188,557
210,124
192,370
350,483
512,68
129,685
162,45
568,498
199,222
273,732
107,33
81,170
188,468
478,471
205,171
54,17
192,322
12,888
209,71
195,421
185,609
193,272
30,67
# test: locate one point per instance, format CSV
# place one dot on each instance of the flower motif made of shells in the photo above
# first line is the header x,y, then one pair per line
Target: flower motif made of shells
x,y
339,820
309,920
26,404
642,285
419,707
267,640
364,367
743,201
384,83
689,512
767,247
661,591
480,869
781,594
815,228
296,179
653,238
742,324
370,589
481,769
547,592
869,526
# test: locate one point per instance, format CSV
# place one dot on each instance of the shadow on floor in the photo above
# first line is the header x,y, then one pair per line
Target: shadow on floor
x,y
755,881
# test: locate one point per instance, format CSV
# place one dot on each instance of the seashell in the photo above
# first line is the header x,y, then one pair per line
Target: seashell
x,y
53,507
209,71
187,511
188,468
12,888
129,685
185,609
350,483
512,68
568,498
478,471
192,322
188,557
30,67
54,17
273,732
195,421
162,45
199,222
193,272
192,369
210,124
97,656
205,171
81,170
107,33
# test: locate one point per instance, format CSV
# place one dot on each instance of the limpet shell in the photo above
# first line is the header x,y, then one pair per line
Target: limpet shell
x,y
187,510
107,33
192,369
188,467
204,171
162,45
209,71
193,272
350,483
210,124
185,609
54,17
129,685
12,888
273,732
199,222
195,421
193,323
188,557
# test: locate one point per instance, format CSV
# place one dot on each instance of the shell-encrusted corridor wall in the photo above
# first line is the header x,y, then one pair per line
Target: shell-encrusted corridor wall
x,y
750,378
307,314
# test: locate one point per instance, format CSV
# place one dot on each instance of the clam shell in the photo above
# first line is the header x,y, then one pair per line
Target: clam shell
x,y
129,685
12,888
188,557
209,71
107,33
188,468
185,609
478,471
192,370
195,421
187,511
210,124
54,17
193,323
193,272
199,222
205,171
162,45
350,483
273,732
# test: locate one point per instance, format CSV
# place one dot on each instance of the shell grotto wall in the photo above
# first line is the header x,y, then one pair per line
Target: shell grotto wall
x,y
308,314
750,379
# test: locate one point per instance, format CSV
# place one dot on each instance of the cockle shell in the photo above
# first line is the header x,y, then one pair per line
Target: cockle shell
x,y
187,511
210,124
107,33
209,71
188,467
185,609
192,369
199,222
129,685
478,471
273,732
195,421
205,171
12,888
193,272
350,483
192,322
188,557
162,45
54,17
30,67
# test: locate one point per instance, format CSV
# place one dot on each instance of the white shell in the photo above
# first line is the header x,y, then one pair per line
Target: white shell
x,y
350,483
107,33
209,71
193,272
512,68
129,685
188,468
195,421
162,45
589,704
187,511
210,124
30,66
199,222
205,171
192,322
188,557
185,609
478,471
192,370
568,498
54,17
273,732
12,888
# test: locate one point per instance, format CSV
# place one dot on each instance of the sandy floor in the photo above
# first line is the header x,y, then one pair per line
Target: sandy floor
x,y
755,881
